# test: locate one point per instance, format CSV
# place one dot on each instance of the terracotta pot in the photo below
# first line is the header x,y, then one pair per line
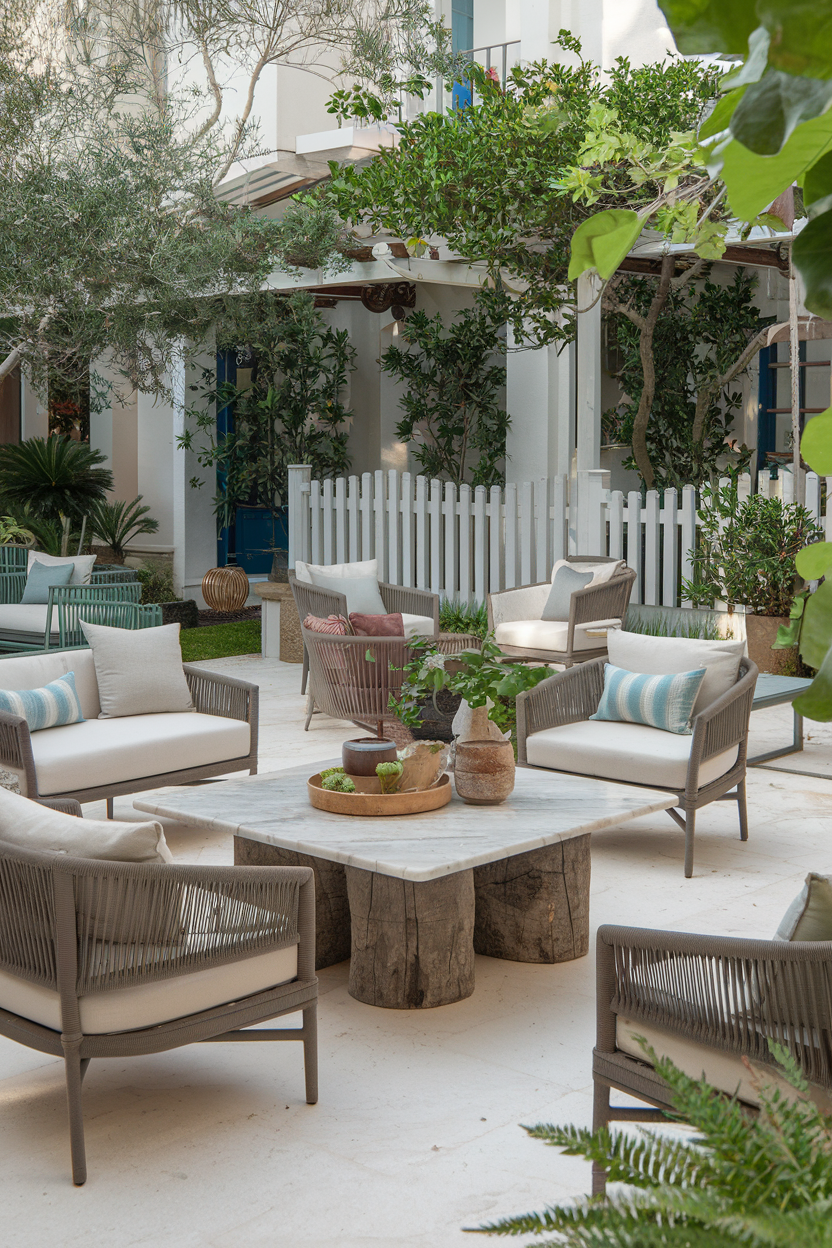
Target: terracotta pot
x,y
484,771
359,757
761,631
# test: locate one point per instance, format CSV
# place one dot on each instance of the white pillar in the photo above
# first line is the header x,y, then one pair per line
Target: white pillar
x,y
588,431
299,475
540,399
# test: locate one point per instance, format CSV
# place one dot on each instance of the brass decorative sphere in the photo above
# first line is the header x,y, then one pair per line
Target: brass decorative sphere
x,y
225,589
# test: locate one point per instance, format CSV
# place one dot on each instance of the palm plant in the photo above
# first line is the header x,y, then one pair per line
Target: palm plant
x,y
764,1182
55,478
116,523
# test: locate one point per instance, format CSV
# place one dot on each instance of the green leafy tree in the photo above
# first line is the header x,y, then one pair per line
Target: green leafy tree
x,y
485,179
765,1182
455,419
772,128
291,413
700,334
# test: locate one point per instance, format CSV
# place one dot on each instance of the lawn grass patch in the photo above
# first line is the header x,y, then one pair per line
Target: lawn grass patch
x,y
220,641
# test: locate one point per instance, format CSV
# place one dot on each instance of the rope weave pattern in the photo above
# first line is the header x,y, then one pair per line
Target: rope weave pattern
x,y
27,922
218,697
733,995
347,684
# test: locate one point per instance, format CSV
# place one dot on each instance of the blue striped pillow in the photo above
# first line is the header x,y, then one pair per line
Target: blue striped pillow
x,y
52,706
662,702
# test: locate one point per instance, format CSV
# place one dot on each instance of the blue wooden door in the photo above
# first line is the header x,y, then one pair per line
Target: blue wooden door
x,y
462,40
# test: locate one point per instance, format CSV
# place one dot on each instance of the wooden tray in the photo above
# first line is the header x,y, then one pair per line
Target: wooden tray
x,y
368,804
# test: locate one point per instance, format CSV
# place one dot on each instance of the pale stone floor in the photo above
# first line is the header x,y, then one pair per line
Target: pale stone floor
x,y
416,1133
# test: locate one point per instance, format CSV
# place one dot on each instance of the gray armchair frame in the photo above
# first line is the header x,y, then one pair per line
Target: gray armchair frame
x,y
572,696
607,601
52,936
212,694
727,994
312,600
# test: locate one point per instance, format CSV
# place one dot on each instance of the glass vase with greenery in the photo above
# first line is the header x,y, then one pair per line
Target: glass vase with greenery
x,y
292,412
746,551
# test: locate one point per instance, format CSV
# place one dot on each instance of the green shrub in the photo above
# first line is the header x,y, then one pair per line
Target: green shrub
x,y
157,583
459,617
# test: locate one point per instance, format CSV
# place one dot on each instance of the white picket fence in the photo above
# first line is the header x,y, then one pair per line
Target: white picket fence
x,y
463,542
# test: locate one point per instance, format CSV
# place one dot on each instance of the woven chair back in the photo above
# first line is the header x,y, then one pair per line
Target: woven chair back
x,y
353,677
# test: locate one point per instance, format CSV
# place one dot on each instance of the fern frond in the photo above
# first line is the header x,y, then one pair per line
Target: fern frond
x,y
642,1160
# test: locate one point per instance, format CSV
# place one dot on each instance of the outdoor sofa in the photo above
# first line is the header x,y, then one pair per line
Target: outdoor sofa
x,y
102,758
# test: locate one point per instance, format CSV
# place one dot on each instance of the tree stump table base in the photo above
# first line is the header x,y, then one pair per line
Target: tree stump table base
x,y
412,943
534,907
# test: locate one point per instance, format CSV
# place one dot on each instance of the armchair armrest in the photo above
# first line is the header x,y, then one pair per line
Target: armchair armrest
x,y
66,805
188,918
723,992
526,603
411,601
16,749
722,724
597,603
565,698
215,694
313,600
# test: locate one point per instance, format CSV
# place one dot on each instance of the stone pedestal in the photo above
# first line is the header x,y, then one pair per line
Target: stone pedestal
x,y
534,907
332,912
280,627
411,942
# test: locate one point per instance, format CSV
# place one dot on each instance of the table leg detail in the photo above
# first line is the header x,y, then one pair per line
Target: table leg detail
x,y
534,907
412,945
332,912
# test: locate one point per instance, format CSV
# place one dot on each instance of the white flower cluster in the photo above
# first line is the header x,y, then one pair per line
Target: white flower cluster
x,y
434,660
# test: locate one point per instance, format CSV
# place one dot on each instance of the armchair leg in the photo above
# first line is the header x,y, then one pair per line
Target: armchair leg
x,y
310,710
75,1070
600,1118
109,808
305,673
743,810
310,1053
690,821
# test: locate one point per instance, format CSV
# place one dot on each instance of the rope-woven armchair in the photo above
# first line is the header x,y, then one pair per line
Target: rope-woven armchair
x,y
105,959
603,604
352,677
571,697
313,600
704,1002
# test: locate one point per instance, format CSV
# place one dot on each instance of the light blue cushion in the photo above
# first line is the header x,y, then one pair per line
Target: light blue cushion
x,y
566,581
664,702
52,706
41,578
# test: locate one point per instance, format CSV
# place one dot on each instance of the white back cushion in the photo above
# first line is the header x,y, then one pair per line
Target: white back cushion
x,y
32,826
665,656
82,569
600,571
306,571
32,671
139,671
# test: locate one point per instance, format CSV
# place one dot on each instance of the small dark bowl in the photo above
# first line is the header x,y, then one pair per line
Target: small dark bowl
x,y
359,757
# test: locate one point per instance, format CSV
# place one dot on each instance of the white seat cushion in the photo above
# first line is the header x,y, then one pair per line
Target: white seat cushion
x,y
109,751
543,635
146,1005
723,1070
32,671
418,625
15,618
614,751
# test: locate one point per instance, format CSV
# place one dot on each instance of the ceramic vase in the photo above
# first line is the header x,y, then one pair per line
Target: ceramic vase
x,y
484,771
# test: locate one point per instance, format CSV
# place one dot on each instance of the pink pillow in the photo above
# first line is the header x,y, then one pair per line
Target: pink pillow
x,y
335,625
391,625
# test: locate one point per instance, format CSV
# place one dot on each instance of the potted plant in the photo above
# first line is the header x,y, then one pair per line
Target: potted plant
x,y
746,557
482,682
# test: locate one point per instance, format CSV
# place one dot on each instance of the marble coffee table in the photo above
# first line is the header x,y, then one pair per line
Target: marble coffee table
x,y
411,899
